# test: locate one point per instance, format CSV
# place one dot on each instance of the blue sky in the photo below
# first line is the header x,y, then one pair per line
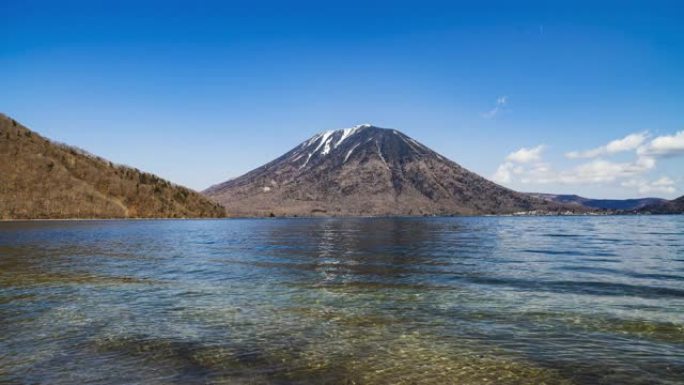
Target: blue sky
x,y
198,93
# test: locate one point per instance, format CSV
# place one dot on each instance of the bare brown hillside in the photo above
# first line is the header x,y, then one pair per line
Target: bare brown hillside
x,y
43,179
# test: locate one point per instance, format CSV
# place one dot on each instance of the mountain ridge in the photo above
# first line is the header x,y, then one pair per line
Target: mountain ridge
x,y
674,206
600,204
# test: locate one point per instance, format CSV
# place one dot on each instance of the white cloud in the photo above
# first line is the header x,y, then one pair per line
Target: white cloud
x,y
512,167
664,146
500,106
664,181
526,166
596,171
628,143
526,155
663,185
506,172
600,171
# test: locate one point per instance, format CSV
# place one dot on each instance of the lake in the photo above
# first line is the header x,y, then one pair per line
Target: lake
x,y
466,300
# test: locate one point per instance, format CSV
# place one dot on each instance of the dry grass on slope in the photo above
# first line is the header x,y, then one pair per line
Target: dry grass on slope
x,y
43,179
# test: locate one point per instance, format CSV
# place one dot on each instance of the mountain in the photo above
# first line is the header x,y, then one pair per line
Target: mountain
x,y
367,170
600,204
675,206
43,179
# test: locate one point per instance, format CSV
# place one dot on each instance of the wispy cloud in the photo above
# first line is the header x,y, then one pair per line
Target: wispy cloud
x,y
628,143
501,103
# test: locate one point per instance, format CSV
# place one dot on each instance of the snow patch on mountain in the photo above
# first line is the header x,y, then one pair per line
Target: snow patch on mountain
x,y
349,153
325,139
347,132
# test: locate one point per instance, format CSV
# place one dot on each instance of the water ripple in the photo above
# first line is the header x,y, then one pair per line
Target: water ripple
x,y
344,301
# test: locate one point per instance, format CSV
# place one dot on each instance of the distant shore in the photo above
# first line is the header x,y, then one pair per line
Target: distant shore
x,y
335,216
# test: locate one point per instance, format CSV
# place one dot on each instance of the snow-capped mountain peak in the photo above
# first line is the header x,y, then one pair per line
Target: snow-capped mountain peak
x,y
365,170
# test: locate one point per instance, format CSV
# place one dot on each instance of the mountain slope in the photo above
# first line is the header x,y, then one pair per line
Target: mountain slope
x,y
43,179
602,204
366,170
675,206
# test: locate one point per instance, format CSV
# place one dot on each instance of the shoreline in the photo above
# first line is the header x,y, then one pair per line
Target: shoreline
x,y
332,217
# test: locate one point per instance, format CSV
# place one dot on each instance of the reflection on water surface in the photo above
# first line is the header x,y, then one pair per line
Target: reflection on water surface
x,y
344,301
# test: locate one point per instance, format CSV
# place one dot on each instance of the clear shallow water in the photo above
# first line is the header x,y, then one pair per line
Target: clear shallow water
x,y
555,300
